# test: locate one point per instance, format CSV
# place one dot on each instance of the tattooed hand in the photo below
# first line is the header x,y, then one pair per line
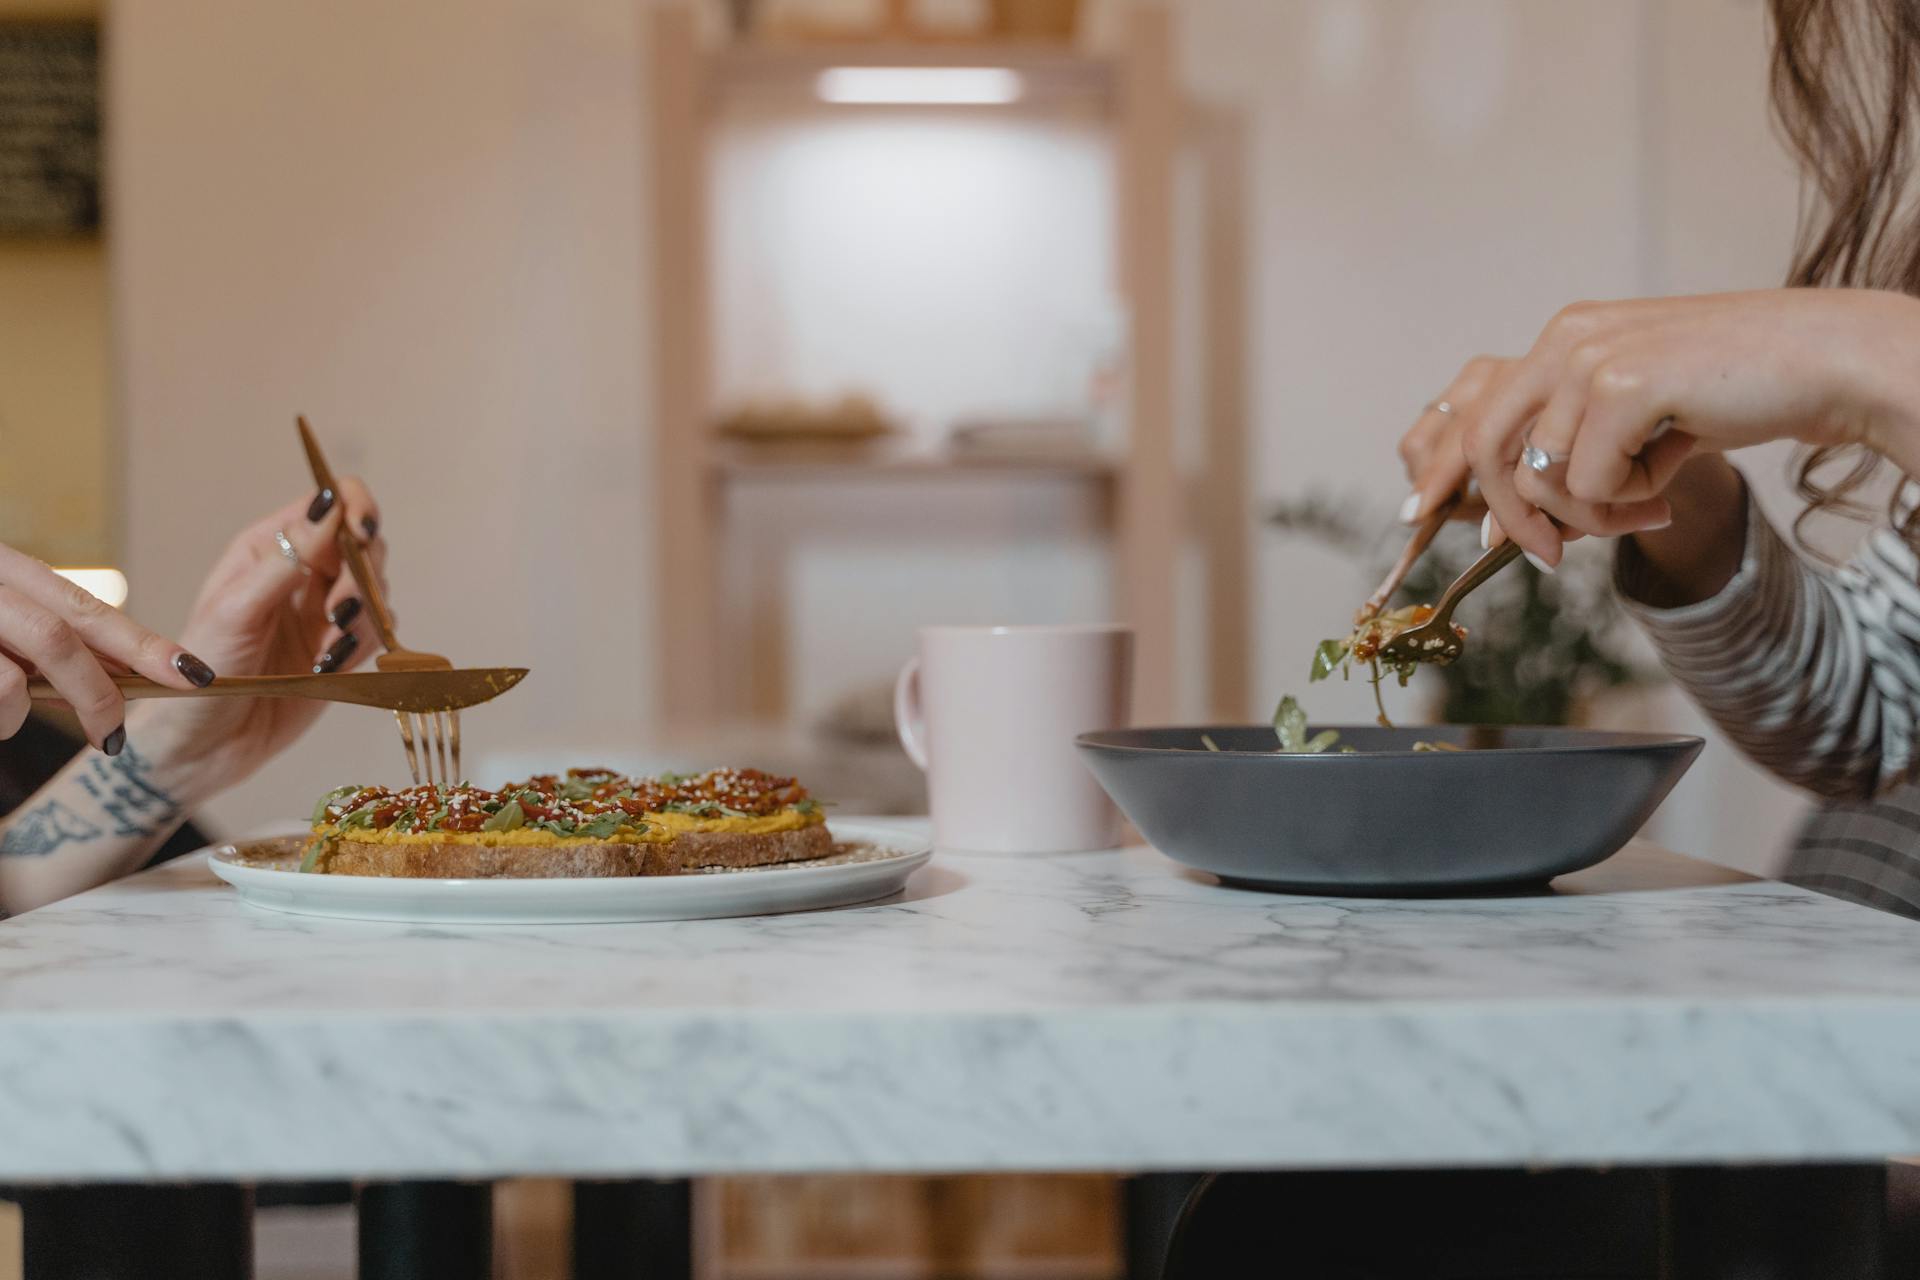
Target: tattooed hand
x,y
278,600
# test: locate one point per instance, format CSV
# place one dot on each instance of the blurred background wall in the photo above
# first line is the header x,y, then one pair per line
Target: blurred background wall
x,y
424,225
59,467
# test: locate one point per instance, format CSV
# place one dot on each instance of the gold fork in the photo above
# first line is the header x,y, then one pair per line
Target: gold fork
x,y
1435,640
433,748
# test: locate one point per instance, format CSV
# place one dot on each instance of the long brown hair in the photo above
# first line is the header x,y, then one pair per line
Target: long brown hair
x,y
1845,77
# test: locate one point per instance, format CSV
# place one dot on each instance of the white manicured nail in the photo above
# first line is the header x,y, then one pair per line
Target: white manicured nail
x,y
1410,508
1651,528
1537,562
1486,531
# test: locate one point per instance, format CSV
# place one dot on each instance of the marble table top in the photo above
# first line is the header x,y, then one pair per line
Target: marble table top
x,y
1094,1011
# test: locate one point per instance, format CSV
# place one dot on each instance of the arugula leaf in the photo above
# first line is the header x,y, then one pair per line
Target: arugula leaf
x,y
1290,726
1328,656
509,817
315,852
1207,741
333,797
361,817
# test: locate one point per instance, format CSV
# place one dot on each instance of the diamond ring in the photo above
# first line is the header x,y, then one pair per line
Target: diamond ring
x,y
287,550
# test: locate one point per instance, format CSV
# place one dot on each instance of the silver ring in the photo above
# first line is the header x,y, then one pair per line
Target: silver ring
x,y
287,549
1536,458
1441,406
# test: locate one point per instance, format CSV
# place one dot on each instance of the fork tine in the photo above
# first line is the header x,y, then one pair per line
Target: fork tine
x,y
446,747
405,721
430,734
453,722
422,724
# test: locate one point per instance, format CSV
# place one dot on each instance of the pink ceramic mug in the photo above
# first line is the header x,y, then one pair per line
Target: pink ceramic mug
x,y
991,714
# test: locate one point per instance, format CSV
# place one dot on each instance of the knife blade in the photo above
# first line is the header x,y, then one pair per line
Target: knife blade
x,y
394,690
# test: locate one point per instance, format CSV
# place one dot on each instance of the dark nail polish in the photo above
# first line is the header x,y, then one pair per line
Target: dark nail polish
x,y
321,504
193,669
371,526
338,652
112,743
345,612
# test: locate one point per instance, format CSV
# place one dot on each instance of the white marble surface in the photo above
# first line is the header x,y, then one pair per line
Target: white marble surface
x,y
1096,1011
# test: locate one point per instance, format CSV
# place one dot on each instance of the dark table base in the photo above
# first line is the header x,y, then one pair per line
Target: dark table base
x,y
1850,1222
1767,1223
189,1232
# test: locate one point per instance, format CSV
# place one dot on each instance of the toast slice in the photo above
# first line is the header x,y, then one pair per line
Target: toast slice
x,y
688,852
589,823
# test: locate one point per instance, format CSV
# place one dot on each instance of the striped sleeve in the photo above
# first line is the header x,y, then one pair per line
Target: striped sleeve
x,y
1814,674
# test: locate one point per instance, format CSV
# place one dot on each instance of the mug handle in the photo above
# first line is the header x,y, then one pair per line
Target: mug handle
x,y
909,719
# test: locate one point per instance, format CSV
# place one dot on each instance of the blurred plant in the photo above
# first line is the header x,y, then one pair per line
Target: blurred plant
x,y
1538,644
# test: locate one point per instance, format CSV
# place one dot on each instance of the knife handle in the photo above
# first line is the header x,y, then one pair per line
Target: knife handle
x,y
222,687
416,691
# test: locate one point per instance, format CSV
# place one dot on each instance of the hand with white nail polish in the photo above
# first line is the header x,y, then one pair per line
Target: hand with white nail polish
x,y
1431,449
1587,432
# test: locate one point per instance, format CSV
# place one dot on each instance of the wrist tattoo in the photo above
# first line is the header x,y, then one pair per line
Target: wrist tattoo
x,y
127,804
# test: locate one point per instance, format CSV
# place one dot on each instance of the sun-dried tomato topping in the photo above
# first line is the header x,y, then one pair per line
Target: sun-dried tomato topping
x,y
584,798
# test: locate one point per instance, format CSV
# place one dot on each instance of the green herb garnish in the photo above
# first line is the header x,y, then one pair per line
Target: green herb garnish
x,y
509,817
1329,656
332,798
316,850
361,817
1290,726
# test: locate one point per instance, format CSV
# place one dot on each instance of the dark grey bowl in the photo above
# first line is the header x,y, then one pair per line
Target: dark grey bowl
x,y
1525,805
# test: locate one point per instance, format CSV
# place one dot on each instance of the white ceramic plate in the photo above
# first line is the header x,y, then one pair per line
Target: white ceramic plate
x,y
869,862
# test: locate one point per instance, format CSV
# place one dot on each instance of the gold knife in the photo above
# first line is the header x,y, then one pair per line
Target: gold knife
x,y
395,690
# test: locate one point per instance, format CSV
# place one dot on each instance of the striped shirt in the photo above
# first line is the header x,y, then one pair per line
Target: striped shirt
x,y
1814,673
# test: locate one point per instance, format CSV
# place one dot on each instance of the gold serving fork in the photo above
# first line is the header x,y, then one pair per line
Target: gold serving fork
x,y
1435,640
433,745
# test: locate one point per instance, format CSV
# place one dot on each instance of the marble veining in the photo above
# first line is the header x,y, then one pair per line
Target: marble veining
x,y
1090,1011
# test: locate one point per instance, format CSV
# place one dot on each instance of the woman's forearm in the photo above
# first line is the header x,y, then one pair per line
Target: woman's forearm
x,y
1693,558
99,817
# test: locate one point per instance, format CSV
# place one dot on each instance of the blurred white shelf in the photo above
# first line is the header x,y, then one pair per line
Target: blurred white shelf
x,y
1051,72
791,466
